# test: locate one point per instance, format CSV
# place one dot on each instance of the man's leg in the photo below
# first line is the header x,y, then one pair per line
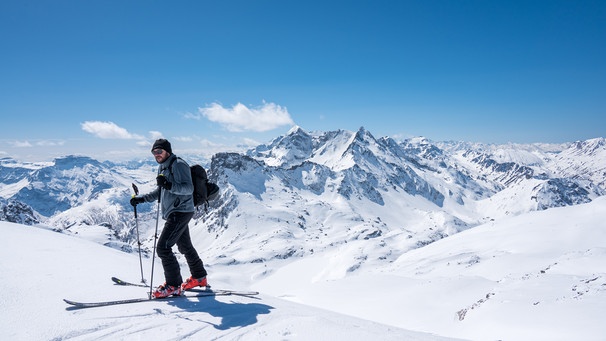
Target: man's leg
x,y
174,227
185,246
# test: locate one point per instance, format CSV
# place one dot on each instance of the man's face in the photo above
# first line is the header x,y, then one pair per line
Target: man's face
x,y
160,155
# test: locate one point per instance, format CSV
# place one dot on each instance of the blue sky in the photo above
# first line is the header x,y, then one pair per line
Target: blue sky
x,y
105,78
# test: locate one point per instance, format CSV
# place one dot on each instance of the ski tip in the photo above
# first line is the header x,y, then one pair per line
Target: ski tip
x,y
124,283
72,304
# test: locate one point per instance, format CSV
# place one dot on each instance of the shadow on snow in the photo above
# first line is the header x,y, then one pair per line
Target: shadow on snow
x,y
232,314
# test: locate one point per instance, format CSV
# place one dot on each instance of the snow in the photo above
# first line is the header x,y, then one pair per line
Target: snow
x,y
332,154
536,276
11,189
54,266
539,276
345,236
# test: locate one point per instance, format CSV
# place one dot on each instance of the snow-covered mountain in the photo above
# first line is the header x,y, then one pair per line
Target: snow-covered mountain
x,y
537,276
67,267
17,212
345,202
318,190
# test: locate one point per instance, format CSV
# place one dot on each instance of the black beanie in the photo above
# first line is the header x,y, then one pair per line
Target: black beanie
x,y
164,144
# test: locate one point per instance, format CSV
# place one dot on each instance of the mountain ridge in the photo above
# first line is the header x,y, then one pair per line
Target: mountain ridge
x,y
315,191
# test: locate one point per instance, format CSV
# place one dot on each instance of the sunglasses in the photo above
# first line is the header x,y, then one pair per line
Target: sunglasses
x,y
157,151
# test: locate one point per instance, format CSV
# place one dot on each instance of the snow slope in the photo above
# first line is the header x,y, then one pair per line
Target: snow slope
x,y
537,276
325,220
41,267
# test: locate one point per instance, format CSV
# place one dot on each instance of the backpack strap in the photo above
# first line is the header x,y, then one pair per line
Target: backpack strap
x,y
170,164
170,169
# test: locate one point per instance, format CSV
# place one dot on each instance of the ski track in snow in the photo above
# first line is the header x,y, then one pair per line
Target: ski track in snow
x,y
539,276
356,246
54,266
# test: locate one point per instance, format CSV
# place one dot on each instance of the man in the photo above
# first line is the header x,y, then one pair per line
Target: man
x,y
175,188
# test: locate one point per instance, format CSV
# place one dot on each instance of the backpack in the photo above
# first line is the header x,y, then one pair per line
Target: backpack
x,y
204,190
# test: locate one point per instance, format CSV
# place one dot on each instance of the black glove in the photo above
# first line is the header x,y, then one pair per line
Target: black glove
x,y
136,200
162,182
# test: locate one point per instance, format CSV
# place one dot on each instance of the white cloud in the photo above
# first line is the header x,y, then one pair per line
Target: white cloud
x,y
108,130
37,143
191,116
209,144
21,144
241,118
155,135
184,138
250,142
50,143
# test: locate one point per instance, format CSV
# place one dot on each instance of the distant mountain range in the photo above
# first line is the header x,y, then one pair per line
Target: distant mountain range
x,y
305,192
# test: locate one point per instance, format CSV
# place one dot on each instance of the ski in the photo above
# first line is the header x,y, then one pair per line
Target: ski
x,y
121,282
208,291
81,305
198,293
222,292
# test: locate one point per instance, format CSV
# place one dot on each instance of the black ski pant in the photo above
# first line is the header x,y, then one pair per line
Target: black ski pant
x,y
176,231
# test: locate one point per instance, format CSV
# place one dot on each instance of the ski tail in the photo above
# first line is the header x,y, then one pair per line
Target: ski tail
x,y
224,292
82,305
118,281
206,290
196,293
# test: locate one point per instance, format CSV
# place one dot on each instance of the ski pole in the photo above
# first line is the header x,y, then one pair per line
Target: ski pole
x,y
138,240
151,280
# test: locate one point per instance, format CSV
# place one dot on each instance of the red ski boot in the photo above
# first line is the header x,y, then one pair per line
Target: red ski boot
x,y
167,290
191,283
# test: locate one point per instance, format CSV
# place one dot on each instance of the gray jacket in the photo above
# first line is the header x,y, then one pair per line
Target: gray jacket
x,y
180,197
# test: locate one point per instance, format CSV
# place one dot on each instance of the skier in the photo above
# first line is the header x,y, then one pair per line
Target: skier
x,y
175,187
